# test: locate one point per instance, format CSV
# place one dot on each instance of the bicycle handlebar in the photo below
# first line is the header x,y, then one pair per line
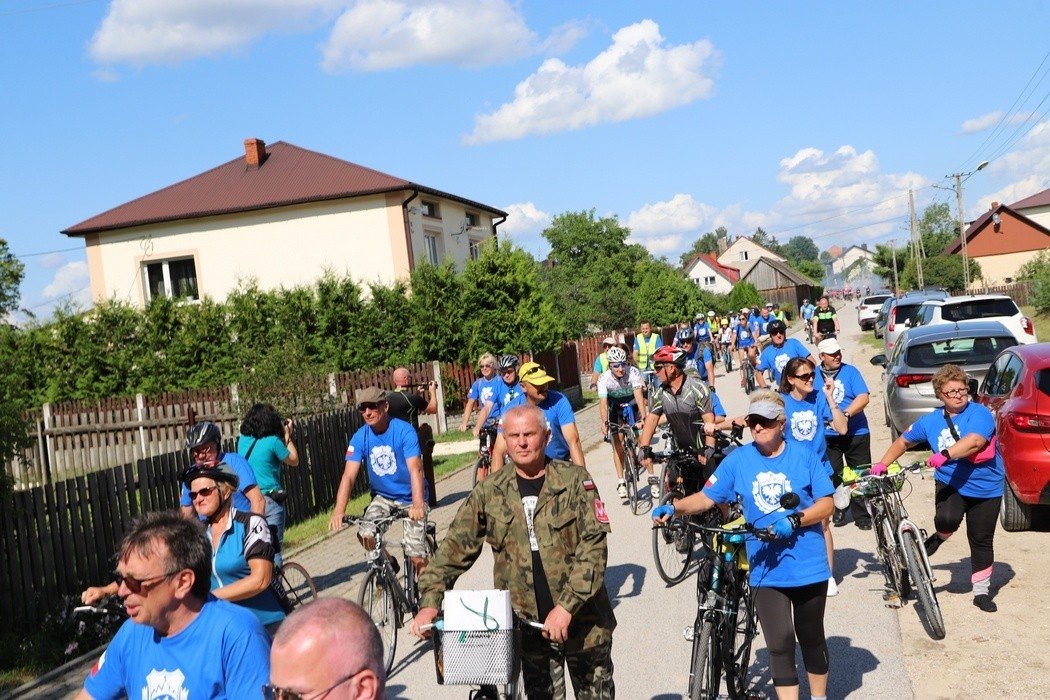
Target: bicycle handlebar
x,y
396,514
913,468
763,533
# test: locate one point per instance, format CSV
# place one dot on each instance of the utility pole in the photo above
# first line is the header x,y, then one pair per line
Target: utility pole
x,y
893,252
959,178
916,241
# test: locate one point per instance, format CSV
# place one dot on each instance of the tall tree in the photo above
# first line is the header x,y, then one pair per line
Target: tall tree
x,y
801,248
710,242
12,271
437,313
767,241
938,228
663,294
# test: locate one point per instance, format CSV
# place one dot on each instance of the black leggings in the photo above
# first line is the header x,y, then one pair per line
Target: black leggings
x,y
789,612
981,515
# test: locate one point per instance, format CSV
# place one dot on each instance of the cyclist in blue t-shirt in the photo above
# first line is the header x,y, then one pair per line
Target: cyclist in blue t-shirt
x,y
503,392
565,441
389,448
698,359
744,340
969,473
204,442
789,575
776,355
482,390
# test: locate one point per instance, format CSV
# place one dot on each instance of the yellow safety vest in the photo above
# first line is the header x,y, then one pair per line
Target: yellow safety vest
x,y
646,348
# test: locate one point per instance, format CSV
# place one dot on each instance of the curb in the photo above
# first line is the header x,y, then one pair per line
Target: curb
x,y
25,688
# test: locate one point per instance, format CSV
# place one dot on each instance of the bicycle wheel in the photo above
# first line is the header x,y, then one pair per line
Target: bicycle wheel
x,y
893,568
630,475
481,470
749,376
729,361
668,480
705,672
673,546
378,601
738,636
299,586
920,577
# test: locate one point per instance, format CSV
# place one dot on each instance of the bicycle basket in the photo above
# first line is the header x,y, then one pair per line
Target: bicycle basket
x,y
873,487
480,657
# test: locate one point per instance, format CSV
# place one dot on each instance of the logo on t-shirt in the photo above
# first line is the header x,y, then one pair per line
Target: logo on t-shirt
x,y
839,392
162,685
382,460
767,488
486,394
804,425
781,361
945,440
529,504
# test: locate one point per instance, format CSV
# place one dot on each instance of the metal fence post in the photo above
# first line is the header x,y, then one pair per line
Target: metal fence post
x,y
140,404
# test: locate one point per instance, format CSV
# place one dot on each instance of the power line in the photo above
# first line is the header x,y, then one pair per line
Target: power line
x,y
1013,140
58,298
846,212
48,252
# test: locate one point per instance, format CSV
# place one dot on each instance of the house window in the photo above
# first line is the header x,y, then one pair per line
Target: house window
x,y
475,248
709,281
430,244
472,219
431,209
176,279
743,255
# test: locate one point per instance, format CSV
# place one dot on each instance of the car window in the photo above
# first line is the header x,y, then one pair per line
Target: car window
x,y
978,308
1042,381
925,314
991,378
876,299
957,351
907,312
1011,375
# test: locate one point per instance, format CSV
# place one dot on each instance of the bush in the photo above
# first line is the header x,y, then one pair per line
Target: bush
x,y
1037,270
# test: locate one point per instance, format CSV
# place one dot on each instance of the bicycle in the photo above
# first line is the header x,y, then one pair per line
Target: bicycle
x,y
682,475
899,543
296,586
384,598
727,356
489,660
749,375
483,464
632,470
809,332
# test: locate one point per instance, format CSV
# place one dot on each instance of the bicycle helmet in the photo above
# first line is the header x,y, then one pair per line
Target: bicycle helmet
x,y
699,316
725,322
777,326
686,335
669,353
202,433
615,354
710,314
508,362
220,472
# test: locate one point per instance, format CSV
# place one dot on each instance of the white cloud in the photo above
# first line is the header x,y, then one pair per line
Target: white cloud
x,y
678,214
981,123
563,37
1026,169
71,277
524,218
51,260
141,32
637,76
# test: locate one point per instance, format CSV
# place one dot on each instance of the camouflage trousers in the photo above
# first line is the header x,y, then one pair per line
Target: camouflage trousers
x,y
543,667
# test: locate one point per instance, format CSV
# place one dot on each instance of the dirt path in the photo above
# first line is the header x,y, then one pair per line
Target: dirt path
x,y
999,655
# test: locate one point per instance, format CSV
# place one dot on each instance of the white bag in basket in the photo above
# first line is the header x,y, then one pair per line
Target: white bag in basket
x,y
478,610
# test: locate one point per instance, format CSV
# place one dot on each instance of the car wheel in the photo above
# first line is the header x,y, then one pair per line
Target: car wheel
x,y
1014,515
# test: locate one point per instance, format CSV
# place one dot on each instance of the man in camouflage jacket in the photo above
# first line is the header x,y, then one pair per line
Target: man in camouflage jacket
x,y
570,528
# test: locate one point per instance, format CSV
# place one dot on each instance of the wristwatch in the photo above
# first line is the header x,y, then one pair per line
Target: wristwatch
x,y
796,519
847,414
944,453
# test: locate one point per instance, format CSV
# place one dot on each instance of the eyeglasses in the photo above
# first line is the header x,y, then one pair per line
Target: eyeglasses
x,y
805,376
362,407
657,366
955,392
766,423
205,492
617,365
136,585
777,333
272,692
509,369
488,366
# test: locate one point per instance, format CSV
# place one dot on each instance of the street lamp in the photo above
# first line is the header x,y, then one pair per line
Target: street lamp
x,y
959,179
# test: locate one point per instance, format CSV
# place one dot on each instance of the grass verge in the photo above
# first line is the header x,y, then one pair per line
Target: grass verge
x,y
299,534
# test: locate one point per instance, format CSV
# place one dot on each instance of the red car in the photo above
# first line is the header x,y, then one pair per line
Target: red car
x,y
1017,390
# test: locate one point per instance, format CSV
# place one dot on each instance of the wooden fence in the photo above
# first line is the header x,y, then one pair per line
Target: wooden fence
x,y
60,537
1023,293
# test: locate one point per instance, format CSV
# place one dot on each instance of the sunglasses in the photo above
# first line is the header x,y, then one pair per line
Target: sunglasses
x,y
531,371
805,376
617,365
509,369
765,423
136,585
362,407
488,366
777,333
205,492
272,692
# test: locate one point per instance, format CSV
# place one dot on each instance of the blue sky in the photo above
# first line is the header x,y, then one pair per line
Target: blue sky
x,y
811,118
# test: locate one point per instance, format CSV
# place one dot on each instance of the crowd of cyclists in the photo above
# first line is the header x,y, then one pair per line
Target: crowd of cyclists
x,y
807,425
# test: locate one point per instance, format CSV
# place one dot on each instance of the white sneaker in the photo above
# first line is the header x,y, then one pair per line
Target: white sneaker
x,y
833,589
621,490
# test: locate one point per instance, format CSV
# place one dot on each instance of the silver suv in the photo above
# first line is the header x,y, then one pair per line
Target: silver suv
x,y
920,352
988,307
902,315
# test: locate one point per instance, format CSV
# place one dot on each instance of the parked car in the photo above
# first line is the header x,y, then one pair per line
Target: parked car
x,y
869,310
901,315
920,352
882,318
1017,390
991,307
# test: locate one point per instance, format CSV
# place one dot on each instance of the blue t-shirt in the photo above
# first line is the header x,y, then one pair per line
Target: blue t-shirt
x,y
716,405
693,360
386,456
981,480
246,537
776,359
849,384
758,483
223,653
807,311
601,363
805,423
245,476
758,324
703,332
265,460
483,391
559,413
744,338
502,396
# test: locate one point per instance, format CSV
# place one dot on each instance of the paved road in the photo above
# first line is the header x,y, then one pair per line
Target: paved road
x,y
650,655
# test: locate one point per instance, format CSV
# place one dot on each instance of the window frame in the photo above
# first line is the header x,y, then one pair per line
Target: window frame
x,y
430,209
430,247
166,278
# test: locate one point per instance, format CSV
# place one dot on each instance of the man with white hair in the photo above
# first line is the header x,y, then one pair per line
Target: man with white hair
x,y
329,648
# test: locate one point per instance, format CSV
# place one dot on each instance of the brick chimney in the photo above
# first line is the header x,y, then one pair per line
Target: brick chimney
x,y
254,152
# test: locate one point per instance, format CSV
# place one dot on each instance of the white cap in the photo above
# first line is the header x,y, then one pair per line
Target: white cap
x,y
829,346
710,313
745,310
609,341
766,408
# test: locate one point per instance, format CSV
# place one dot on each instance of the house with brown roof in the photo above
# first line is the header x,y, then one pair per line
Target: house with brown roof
x,y
778,283
1006,237
711,275
282,215
743,250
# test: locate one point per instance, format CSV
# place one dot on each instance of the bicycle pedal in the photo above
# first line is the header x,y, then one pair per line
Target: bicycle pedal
x,y
689,633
